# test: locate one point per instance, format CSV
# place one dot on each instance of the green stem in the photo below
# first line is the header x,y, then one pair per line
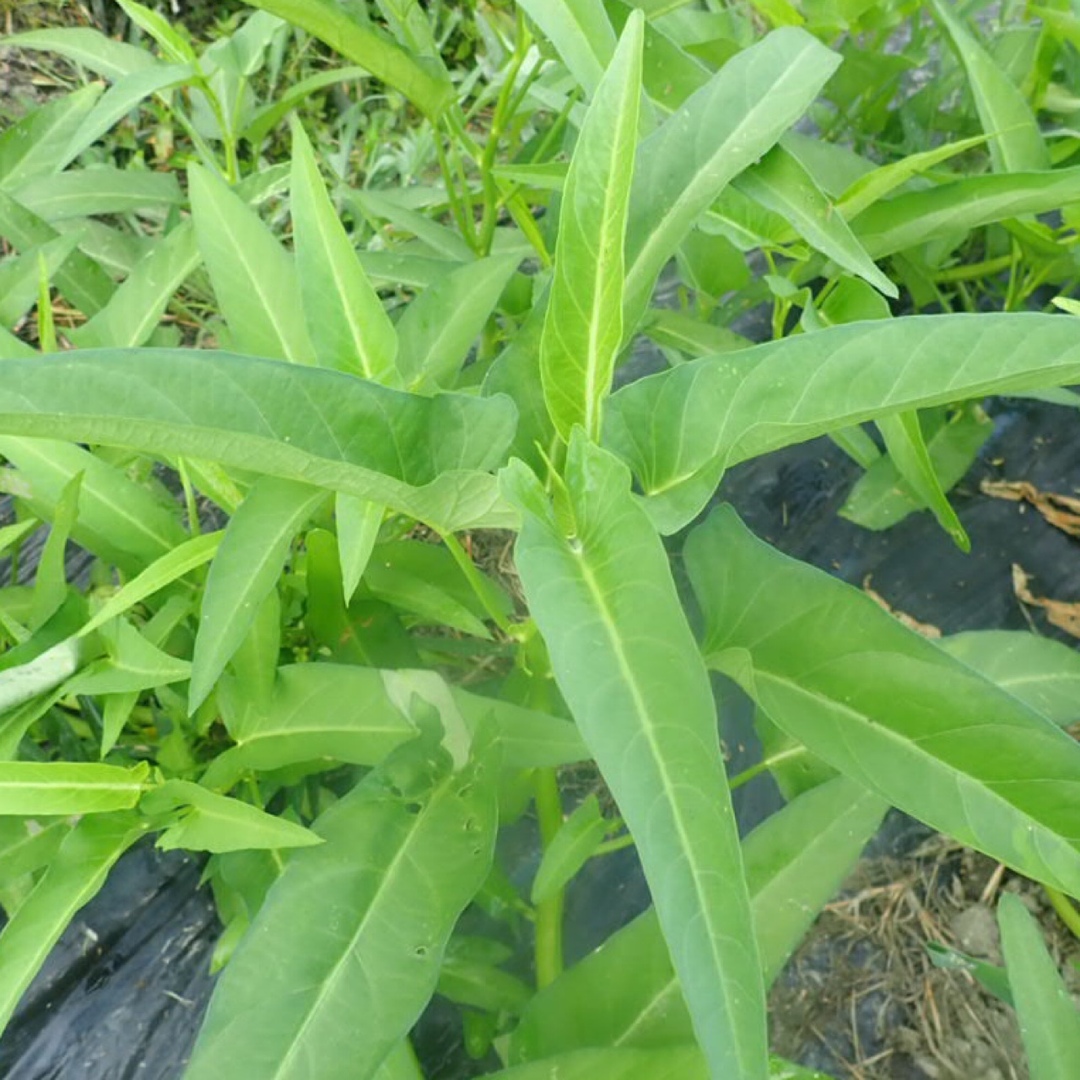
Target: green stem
x,y
747,775
549,913
1065,908
476,581
971,271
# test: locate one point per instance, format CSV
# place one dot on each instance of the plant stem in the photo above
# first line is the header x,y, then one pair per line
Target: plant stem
x,y
548,947
477,583
1066,910
747,775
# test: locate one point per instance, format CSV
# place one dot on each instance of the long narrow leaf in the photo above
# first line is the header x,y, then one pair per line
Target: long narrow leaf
x,y
419,455
348,325
626,662
74,876
427,87
1049,1021
887,707
723,128
345,952
583,327
245,570
732,407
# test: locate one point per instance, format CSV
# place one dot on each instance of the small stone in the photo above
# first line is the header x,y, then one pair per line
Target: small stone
x,y
977,932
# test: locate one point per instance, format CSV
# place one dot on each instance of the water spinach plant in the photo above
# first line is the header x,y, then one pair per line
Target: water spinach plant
x,y
337,684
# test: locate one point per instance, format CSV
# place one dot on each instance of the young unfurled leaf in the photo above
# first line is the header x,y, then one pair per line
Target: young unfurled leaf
x,y
583,326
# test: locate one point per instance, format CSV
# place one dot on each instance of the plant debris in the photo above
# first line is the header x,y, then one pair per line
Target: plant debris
x,y
1062,614
1061,511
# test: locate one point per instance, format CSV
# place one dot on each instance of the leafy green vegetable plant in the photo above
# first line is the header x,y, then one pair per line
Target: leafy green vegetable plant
x,y
304,650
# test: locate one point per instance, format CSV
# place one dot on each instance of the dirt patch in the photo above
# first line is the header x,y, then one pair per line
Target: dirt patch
x,y
862,998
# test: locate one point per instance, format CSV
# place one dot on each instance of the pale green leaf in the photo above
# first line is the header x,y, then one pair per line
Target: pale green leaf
x,y
583,327
31,787
74,876
581,33
348,325
419,455
254,278
1049,1020
344,953
733,407
887,707
245,570
726,126
627,665
199,820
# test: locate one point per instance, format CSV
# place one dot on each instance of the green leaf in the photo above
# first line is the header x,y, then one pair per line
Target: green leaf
x,y
19,276
1015,140
358,522
907,449
881,498
181,560
22,682
876,184
626,993
583,326
135,310
1049,1021
582,36
444,242
782,185
951,210
345,952
626,663
430,90
31,787
175,46
254,278
736,406
80,279
74,876
440,326
719,131
209,822
991,978
133,664
88,48
50,585
348,714
670,1063
245,571
286,98
28,845
102,189
348,325
119,519
572,846
314,426
1041,672
33,147
887,707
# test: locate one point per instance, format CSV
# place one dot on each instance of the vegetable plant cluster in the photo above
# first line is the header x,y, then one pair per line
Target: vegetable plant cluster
x,y
310,325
